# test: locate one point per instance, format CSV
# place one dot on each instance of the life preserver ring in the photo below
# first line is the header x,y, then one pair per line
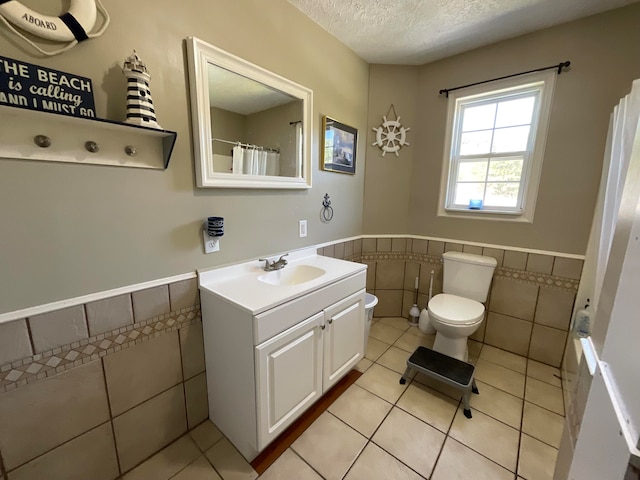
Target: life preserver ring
x,y
73,26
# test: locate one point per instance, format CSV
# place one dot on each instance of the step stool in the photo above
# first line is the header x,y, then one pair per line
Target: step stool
x,y
446,369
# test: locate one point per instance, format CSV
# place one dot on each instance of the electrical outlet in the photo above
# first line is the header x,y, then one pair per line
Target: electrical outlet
x,y
211,244
302,228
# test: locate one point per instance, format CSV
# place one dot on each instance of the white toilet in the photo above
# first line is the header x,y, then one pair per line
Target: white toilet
x,y
457,313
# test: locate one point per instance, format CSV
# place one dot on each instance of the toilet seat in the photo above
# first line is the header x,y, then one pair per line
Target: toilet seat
x,y
454,310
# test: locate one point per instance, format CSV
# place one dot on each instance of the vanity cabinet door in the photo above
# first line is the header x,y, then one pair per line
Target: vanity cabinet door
x,y
288,376
344,338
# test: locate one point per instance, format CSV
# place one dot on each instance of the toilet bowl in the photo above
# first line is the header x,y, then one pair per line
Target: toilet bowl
x,y
454,318
458,312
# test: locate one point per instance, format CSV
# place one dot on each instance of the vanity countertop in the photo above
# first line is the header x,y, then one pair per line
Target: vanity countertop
x,y
239,283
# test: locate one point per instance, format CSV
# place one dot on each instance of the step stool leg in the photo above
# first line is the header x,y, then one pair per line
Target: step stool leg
x,y
465,402
474,387
406,374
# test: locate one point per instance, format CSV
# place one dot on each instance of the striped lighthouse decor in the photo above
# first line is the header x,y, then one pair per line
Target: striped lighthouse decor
x,y
140,109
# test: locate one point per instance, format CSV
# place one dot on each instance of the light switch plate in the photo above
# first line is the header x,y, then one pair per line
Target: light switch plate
x,y
302,228
211,244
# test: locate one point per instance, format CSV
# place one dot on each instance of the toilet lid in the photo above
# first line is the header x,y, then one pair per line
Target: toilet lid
x,y
455,310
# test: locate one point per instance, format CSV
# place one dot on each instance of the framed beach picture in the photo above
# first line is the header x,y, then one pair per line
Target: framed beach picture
x,y
339,144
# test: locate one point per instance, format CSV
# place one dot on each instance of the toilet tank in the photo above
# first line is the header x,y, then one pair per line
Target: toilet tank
x,y
467,275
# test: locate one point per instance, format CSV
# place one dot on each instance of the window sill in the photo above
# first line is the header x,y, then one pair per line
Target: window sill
x,y
494,215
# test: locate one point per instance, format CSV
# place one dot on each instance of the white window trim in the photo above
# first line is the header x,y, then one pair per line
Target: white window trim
x,y
533,174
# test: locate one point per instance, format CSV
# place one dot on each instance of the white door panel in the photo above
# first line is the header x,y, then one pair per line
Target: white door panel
x,y
344,338
289,378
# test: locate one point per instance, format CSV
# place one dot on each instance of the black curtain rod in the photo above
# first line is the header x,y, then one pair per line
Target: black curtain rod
x,y
559,67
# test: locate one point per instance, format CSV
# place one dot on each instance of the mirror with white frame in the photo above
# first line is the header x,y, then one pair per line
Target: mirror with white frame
x,y
251,127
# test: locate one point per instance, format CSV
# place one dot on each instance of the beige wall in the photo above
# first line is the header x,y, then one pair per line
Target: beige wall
x,y
69,230
604,52
388,178
229,126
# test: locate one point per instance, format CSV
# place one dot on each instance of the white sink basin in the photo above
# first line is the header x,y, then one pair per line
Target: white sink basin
x,y
292,275
247,285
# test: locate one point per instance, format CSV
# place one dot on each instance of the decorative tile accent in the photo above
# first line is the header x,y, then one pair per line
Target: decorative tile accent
x,y
48,363
538,279
522,276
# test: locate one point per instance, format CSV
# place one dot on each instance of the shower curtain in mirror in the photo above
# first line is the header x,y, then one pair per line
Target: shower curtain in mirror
x,y
255,161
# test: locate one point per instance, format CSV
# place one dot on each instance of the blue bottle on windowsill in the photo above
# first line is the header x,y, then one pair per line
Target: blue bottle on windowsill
x,y
475,204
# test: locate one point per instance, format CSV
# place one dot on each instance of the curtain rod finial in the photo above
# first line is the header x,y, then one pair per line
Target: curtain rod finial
x,y
562,65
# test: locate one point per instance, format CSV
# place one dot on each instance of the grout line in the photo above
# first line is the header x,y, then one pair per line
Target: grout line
x,y
393,405
368,440
522,415
183,381
27,321
86,321
113,429
3,470
301,458
55,447
147,399
189,464
149,457
447,433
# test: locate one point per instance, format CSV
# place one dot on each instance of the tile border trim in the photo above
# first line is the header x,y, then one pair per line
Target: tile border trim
x,y
522,276
60,359
92,297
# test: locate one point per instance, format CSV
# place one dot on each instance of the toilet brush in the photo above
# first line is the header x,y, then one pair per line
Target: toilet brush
x,y
424,324
414,312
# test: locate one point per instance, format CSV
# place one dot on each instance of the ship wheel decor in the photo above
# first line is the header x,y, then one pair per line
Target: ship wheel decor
x,y
391,136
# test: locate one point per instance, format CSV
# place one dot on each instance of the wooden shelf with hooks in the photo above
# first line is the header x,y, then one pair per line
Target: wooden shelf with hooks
x,y
82,140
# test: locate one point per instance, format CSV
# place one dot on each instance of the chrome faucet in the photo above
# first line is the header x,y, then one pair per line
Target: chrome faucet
x,y
279,264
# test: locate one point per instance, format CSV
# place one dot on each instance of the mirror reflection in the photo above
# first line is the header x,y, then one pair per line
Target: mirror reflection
x,y
255,129
251,127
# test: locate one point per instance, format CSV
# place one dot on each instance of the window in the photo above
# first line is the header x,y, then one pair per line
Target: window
x,y
495,147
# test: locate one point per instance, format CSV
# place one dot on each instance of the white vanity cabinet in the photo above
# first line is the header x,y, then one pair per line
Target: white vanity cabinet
x,y
295,368
344,331
288,376
265,369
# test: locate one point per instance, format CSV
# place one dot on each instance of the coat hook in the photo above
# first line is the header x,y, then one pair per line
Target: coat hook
x,y
91,146
42,141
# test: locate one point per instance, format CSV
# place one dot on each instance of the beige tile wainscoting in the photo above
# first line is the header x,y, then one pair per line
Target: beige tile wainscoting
x,y
530,302
381,430
96,389
93,390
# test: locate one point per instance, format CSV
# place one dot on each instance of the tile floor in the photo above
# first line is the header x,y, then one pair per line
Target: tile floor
x,y
379,429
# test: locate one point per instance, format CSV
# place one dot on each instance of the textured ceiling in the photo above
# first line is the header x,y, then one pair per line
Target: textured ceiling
x,y
235,93
414,32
